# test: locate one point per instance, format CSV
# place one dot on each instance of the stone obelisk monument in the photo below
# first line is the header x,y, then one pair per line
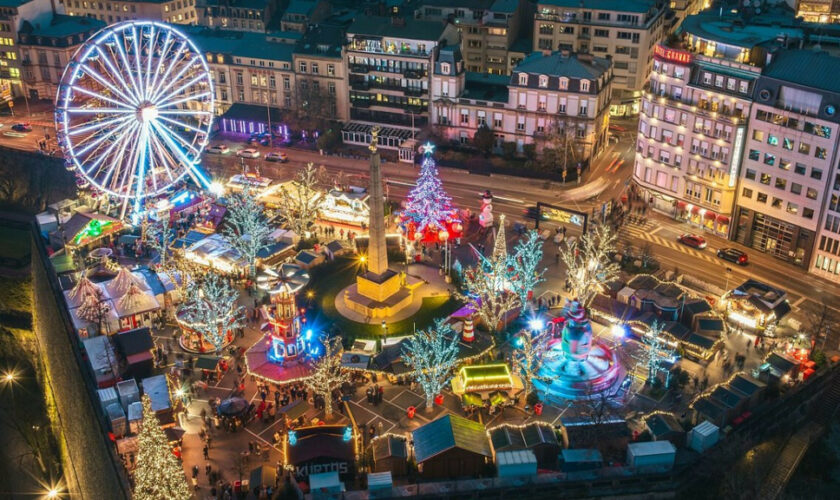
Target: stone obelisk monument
x,y
379,292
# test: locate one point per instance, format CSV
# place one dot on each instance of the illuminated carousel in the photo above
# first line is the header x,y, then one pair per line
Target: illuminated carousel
x,y
575,365
280,355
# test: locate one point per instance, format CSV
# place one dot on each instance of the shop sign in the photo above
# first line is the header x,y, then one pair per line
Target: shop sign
x,y
563,216
671,55
302,471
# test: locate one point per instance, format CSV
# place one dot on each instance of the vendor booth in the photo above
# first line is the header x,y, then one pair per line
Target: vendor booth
x,y
479,384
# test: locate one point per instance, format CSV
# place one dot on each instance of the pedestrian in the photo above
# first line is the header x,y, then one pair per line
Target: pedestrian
x,y
206,452
195,471
207,469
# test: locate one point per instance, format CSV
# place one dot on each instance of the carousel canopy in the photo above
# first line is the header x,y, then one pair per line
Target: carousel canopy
x,y
135,301
286,278
121,283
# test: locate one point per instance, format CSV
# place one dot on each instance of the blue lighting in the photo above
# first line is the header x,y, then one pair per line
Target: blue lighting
x,y
348,433
519,342
536,324
308,336
292,438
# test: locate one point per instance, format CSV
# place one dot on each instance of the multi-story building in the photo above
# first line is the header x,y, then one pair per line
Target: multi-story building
x,y
321,75
301,13
691,134
789,180
114,11
13,16
253,77
243,15
46,49
489,30
390,62
685,8
818,11
626,31
548,95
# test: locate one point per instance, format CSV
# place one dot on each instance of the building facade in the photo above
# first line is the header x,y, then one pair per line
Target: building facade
x,y
691,133
243,15
13,16
111,11
301,13
320,73
390,61
789,200
46,49
489,30
818,11
626,31
549,97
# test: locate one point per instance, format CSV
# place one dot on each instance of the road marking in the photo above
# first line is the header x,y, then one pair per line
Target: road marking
x,y
656,230
799,301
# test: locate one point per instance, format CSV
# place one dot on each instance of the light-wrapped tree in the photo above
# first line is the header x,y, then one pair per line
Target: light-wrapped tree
x,y
431,354
246,227
327,374
211,309
301,200
588,262
159,474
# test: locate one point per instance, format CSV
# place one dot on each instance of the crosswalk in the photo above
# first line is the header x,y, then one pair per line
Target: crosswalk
x,y
632,233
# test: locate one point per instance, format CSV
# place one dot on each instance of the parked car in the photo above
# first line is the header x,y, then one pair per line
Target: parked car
x,y
219,149
22,127
277,156
248,153
733,255
692,240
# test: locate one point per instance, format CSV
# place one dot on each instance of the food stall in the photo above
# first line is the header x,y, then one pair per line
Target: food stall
x,y
493,383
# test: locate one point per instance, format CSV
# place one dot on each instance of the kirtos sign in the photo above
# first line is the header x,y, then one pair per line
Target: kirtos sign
x,y
668,54
305,470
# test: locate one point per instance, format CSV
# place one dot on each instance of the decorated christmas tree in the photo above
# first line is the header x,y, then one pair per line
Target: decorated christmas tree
x,y
159,474
428,211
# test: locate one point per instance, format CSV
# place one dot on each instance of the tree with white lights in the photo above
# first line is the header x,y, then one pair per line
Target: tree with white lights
x,y
95,309
656,350
525,261
588,262
528,356
246,227
427,206
159,235
211,309
159,474
487,284
301,200
327,374
431,354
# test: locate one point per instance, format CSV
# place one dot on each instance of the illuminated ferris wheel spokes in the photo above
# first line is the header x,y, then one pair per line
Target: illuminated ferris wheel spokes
x,y
134,111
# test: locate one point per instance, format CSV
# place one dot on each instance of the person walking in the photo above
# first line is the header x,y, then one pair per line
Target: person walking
x,y
206,452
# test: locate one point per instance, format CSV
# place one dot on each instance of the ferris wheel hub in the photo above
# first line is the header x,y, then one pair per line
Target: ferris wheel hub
x,y
147,113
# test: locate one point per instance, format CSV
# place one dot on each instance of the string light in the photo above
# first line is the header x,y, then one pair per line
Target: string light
x,y
246,227
159,475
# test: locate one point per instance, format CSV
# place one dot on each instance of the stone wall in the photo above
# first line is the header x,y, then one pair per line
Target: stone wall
x,y
92,469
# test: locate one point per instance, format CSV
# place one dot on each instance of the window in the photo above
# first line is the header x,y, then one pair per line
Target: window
x,y
584,85
747,193
765,179
794,187
523,78
541,103
808,213
811,194
465,117
497,120
520,123
792,208
564,83
561,106
787,143
758,135
777,203
800,169
772,140
239,80
583,109
718,81
302,66
784,164
744,87
481,117
755,155
331,69
602,33
781,183
819,153
331,88
315,68
804,148
544,43
286,84
750,174
543,81
761,198
769,159
731,83
816,173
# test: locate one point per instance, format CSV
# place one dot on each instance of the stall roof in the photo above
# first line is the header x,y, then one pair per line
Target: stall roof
x,y
651,448
663,423
516,457
319,442
726,397
781,362
134,341
581,455
157,389
207,362
746,385
389,446
447,432
708,408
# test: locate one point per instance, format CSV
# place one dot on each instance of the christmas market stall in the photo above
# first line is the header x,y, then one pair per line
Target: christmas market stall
x,y
91,310
321,448
84,230
451,447
346,208
756,306
487,380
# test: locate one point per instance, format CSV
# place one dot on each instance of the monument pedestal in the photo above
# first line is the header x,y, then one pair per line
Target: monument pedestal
x,y
377,295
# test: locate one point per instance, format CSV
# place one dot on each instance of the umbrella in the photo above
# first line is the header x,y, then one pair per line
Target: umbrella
x,y
287,278
233,407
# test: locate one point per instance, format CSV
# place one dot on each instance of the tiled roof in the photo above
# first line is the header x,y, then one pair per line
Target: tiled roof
x,y
412,29
638,6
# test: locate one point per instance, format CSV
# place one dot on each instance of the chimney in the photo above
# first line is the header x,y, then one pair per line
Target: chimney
x,y
546,52
584,57
565,53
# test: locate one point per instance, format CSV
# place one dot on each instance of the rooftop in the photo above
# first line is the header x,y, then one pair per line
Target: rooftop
x,y
557,63
239,43
237,4
639,6
409,29
486,87
63,25
808,68
447,432
303,7
740,30
457,4
325,41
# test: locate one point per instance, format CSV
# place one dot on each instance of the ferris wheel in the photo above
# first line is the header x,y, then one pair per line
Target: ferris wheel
x,y
134,110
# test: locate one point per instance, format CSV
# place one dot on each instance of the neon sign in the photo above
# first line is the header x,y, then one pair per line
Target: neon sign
x,y
736,155
671,55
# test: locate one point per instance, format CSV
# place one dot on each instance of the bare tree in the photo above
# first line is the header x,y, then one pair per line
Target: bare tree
x,y
588,262
327,374
301,200
820,322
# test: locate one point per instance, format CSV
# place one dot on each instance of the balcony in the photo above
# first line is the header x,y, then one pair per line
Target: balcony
x,y
414,74
360,103
359,68
359,85
414,92
377,49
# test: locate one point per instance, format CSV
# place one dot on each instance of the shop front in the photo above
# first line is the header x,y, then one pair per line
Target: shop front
x,y
778,238
702,218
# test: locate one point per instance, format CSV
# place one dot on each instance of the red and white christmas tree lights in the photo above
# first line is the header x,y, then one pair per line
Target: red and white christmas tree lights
x,y
429,216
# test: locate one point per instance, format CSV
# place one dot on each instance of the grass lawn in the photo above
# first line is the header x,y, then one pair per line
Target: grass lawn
x,y
332,277
16,243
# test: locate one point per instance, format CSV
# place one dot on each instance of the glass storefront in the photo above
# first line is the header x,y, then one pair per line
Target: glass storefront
x,y
772,236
